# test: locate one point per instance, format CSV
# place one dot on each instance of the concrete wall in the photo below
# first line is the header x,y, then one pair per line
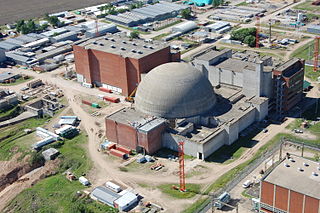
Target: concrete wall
x,y
215,143
247,119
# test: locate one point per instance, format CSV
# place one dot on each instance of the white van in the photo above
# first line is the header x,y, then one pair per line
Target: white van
x,y
247,184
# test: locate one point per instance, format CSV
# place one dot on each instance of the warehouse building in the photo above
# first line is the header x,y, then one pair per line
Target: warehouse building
x,y
176,102
157,12
117,62
218,27
292,186
313,29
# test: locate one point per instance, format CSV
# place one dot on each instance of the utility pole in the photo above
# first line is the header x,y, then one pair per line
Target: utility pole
x,y
270,31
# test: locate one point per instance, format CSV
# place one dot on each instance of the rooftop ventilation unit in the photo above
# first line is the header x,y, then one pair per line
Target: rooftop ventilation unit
x,y
112,46
106,38
145,46
140,52
134,51
300,169
95,42
134,44
292,160
122,48
112,39
315,174
124,42
318,168
101,44
286,165
151,47
305,164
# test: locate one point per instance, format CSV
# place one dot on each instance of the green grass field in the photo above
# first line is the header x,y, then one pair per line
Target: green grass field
x,y
56,193
307,6
13,139
10,111
192,190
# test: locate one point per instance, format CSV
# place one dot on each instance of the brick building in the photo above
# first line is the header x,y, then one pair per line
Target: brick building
x,y
288,85
117,62
135,130
292,186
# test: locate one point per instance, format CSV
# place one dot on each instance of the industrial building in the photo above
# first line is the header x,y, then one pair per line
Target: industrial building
x,y
236,13
176,102
256,76
287,86
313,29
181,29
218,27
157,12
7,76
292,186
117,62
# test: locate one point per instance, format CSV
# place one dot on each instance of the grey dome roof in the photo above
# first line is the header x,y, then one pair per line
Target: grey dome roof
x,y
175,90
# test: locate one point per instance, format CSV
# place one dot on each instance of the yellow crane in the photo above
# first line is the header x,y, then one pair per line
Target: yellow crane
x,y
130,97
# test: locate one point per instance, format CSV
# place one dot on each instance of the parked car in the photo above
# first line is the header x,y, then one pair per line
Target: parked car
x,y
24,88
265,130
247,184
298,131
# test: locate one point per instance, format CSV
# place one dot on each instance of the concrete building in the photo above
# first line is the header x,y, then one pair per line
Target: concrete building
x,y
50,154
288,86
176,102
7,76
292,186
221,68
117,62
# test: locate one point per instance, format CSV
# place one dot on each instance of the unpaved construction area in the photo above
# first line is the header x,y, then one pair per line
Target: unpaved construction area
x,y
13,10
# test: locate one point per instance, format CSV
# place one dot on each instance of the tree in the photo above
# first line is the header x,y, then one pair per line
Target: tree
x,y
53,20
216,3
186,13
245,35
250,40
134,34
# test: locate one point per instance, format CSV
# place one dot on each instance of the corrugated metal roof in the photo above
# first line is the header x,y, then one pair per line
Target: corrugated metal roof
x,y
105,195
8,46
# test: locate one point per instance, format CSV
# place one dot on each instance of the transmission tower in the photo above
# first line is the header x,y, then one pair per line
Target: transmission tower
x,y
316,54
257,31
181,167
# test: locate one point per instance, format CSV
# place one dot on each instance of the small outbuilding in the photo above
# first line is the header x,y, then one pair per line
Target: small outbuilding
x,y
50,154
126,201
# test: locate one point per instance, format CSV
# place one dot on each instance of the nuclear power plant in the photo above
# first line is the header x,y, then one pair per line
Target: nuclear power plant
x,y
176,102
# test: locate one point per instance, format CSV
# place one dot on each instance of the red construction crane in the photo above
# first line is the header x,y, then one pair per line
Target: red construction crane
x,y
181,167
316,54
257,31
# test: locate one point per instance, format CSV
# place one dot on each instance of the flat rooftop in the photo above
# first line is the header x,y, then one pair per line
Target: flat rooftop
x,y
236,65
292,178
210,54
131,117
120,44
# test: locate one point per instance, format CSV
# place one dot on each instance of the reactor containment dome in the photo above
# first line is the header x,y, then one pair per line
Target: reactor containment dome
x,y
175,90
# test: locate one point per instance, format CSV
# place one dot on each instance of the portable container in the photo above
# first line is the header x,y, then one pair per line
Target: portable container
x,y
118,153
86,102
84,181
95,105
125,150
111,99
105,90
113,187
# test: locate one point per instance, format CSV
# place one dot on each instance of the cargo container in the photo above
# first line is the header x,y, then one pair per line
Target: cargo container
x,y
111,99
95,105
118,153
86,102
122,149
105,90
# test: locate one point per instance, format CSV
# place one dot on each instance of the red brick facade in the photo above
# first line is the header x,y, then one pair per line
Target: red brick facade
x,y
100,67
279,198
130,137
